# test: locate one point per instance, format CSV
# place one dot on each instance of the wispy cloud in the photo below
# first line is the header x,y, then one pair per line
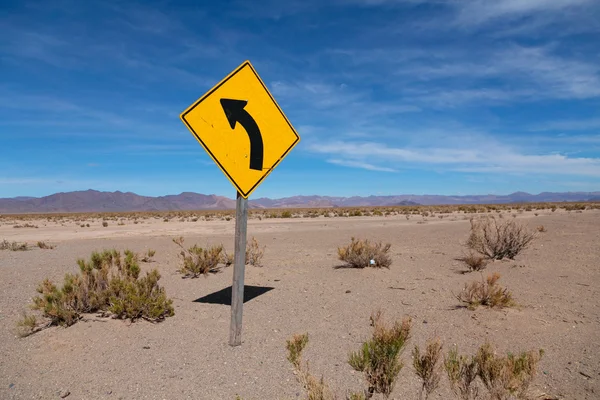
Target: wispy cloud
x,y
570,125
359,164
494,158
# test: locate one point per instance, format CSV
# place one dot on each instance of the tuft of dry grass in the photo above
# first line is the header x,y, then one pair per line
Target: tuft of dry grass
x,y
316,389
497,240
379,357
427,366
197,261
107,283
474,261
487,293
362,253
541,228
254,253
148,256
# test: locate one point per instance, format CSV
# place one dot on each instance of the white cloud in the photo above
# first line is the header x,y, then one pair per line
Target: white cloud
x,y
473,157
480,11
359,164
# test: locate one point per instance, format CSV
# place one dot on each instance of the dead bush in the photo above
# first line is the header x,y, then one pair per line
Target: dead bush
x,y
428,367
379,357
362,253
507,377
462,372
541,228
197,261
44,245
474,261
105,224
497,240
254,253
107,283
487,293
316,389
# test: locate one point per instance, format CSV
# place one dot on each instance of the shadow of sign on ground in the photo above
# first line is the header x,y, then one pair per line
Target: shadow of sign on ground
x,y
223,296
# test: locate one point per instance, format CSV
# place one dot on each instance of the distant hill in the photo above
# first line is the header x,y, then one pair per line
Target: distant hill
x,y
95,201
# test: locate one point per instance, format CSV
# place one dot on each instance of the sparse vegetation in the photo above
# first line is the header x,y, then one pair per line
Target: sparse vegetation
x,y
462,373
197,261
44,245
541,228
148,256
486,292
428,367
13,246
474,261
107,283
105,224
497,240
254,253
506,377
379,357
362,253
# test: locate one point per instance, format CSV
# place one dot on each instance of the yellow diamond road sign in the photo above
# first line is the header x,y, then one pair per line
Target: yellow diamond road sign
x,y
242,128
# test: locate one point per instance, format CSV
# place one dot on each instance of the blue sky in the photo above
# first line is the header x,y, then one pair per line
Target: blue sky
x,y
389,97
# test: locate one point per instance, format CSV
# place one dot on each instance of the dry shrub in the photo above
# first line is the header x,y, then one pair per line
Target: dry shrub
x,y
428,367
486,293
359,253
198,261
462,372
379,357
254,253
541,228
44,245
105,224
316,389
13,246
474,261
148,256
497,240
107,283
507,377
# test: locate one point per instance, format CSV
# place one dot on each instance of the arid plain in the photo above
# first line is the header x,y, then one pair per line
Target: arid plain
x,y
555,283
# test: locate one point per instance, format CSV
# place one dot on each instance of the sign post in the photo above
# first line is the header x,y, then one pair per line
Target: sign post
x,y
244,131
239,266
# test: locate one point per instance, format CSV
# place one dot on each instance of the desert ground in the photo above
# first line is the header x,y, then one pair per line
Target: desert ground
x,y
555,282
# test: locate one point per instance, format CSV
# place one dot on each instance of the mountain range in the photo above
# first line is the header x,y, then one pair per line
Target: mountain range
x,y
95,201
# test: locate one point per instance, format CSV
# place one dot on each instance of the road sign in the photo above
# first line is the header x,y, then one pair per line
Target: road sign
x,y
242,128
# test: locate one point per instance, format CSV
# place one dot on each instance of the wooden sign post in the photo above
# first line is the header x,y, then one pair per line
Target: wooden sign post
x,y
244,131
239,266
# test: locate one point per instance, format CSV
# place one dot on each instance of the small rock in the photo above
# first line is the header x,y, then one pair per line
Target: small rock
x,y
348,291
12,385
64,394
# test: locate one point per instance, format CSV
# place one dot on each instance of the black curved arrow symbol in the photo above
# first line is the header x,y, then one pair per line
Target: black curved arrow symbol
x,y
234,111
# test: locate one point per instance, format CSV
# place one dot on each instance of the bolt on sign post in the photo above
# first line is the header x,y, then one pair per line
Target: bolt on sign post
x,y
244,131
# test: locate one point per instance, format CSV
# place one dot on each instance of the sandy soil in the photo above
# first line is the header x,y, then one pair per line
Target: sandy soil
x,y
556,283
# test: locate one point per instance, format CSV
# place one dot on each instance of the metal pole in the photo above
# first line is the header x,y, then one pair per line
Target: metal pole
x,y
239,265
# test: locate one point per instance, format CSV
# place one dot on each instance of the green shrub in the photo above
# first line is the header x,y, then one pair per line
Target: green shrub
x,y
197,261
359,253
506,377
286,214
379,357
107,283
462,372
